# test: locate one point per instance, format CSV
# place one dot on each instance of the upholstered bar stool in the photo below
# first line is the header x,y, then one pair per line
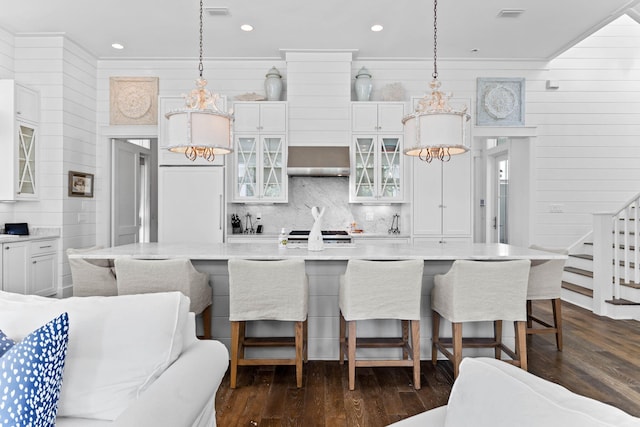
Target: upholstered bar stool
x,y
268,290
137,276
476,291
92,277
381,290
545,283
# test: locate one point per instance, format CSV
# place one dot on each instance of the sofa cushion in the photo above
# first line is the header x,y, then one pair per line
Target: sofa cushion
x,y
497,394
117,345
31,374
5,343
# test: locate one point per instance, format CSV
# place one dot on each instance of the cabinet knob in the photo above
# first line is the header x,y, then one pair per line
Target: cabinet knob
x,y
7,248
33,262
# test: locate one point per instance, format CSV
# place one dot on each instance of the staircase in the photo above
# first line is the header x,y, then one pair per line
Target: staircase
x,y
602,273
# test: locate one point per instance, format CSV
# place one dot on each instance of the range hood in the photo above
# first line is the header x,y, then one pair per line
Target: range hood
x,y
318,161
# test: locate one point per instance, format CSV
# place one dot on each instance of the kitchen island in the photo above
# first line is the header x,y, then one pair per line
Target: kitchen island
x,y
324,269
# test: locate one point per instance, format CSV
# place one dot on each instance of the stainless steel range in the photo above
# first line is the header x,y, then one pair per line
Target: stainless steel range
x,y
335,238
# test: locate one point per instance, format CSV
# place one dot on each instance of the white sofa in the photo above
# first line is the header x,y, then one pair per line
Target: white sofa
x,y
492,393
132,361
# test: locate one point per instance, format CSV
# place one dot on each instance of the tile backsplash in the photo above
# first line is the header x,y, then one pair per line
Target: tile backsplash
x,y
332,193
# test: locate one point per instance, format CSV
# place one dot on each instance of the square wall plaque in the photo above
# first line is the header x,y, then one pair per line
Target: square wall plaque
x,y
133,100
500,101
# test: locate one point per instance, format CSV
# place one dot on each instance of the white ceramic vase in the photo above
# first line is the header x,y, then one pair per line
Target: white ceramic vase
x,y
273,84
363,85
315,235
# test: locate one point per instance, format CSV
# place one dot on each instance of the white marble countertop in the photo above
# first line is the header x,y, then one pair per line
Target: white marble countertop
x,y
362,250
11,238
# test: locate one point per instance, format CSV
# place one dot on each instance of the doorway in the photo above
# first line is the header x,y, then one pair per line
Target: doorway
x,y
501,199
133,195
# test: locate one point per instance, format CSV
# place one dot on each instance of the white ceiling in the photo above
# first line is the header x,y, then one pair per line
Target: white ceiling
x,y
169,28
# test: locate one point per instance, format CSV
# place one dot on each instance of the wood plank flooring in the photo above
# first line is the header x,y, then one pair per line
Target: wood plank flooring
x,y
601,360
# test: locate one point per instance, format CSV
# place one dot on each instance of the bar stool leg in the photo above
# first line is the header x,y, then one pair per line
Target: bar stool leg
x,y
435,337
521,343
351,348
305,336
206,323
557,321
405,339
457,348
343,335
299,352
235,342
497,334
415,347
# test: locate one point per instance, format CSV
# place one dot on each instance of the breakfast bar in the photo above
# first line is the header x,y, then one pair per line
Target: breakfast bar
x,y
324,269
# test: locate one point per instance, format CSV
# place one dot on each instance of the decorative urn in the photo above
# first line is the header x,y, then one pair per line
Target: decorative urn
x,y
273,84
363,84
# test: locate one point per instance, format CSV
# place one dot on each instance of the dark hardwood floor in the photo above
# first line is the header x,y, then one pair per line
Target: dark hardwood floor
x,y
601,360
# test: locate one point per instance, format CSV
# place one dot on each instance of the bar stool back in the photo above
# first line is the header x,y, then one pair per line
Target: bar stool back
x,y
545,283
267,290
381,290
139,276
475,291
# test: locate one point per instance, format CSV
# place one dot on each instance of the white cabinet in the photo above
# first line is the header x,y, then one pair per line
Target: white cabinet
x,y
442,199
259,170
377,162
42,272
191,204
30,267
377,117
166,157
19,139
15,269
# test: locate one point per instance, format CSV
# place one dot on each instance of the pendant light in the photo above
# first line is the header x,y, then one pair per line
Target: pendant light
x,y
201,128
435,130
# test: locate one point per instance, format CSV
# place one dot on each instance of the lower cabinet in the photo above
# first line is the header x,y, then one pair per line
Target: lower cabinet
x,y
30,267
42,273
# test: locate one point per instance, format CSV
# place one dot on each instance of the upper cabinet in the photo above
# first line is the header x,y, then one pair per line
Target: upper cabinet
x,y
377,117
166,157
377,163
259,170
19,139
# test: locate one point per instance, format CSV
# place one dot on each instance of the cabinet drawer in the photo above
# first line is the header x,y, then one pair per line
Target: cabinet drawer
x,y
40,247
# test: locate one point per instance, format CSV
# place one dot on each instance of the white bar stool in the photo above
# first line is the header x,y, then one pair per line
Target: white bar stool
x,y
381,290
267,290
138,276
545,283
477,291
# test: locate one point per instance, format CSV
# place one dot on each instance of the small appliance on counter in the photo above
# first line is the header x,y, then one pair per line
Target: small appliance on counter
x,y
16,228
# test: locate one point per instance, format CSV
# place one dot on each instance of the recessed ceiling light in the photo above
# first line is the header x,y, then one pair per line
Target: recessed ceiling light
x,y
246,27
117,46
376,28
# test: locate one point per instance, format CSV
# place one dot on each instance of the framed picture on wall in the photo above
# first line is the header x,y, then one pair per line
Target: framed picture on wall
x,y
500,101
80,184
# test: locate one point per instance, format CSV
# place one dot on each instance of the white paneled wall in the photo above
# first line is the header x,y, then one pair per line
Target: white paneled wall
x,y
585,155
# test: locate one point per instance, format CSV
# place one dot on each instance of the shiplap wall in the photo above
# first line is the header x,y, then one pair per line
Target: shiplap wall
x,y
65,76
581,127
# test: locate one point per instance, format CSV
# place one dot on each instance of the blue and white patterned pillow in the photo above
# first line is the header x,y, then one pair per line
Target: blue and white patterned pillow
x,y
31,375
5,343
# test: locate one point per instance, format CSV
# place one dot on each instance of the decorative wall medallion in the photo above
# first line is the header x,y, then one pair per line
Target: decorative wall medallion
x,y
133,100
500,102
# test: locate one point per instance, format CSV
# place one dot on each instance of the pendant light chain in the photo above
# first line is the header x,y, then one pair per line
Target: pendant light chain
x,y
200,67
435,39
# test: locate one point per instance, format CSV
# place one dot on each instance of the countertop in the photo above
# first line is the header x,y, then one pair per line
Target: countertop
x,y
10,238
362,250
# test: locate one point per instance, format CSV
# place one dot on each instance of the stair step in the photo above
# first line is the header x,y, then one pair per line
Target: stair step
x,y
583,256
577,289
579,271
621,246
629,284
620,301
621,263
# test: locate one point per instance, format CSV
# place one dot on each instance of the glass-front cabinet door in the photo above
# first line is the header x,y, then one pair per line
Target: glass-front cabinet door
x,y
26,181
260,169
273,167
246,176
377,165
